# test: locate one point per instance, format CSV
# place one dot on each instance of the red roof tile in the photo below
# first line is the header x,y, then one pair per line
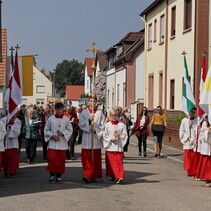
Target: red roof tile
x,y
73,92
88,65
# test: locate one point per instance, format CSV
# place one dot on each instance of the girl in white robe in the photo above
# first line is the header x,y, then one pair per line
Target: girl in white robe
x,y
114,140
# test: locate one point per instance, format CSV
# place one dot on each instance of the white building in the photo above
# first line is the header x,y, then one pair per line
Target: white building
x,y
42,89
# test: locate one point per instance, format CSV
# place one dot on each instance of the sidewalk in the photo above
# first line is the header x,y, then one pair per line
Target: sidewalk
x,y
171,152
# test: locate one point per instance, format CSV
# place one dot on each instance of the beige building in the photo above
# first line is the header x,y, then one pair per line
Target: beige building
x,y
172,27
42,89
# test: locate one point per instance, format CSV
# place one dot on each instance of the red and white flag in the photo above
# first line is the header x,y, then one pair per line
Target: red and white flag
x,y
15,97
201,112
7,94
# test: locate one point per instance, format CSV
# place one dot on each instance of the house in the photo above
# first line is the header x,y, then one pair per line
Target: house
x,y
73,94
42,89
88,75
125,74
173,29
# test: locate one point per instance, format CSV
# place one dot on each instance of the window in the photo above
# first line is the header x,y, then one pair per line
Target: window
x,y
40,89
172,93
108,97
124,94
155,30
112,96
40,101
187,14
118,94
150,91
162,28
150,36
161,89
173,21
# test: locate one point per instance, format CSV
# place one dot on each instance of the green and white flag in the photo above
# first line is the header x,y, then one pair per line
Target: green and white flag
x,y
188,101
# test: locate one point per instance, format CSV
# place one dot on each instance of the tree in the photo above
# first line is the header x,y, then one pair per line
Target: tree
x,y
67,73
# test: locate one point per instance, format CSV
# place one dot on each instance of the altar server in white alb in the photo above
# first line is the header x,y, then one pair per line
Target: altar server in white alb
x,y
11,155
91,122
2,148
114,139
187,134
57,131
204,166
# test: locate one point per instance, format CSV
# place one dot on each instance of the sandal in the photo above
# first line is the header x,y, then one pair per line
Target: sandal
x,y
207,185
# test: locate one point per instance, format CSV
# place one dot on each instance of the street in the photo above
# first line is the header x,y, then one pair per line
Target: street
x,y
150,184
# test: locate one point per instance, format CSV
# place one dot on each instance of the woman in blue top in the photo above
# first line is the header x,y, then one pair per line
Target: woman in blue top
x,y
32,127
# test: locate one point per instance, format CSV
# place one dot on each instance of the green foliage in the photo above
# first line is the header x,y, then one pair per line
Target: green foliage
x,y
85,96
68,72
176,119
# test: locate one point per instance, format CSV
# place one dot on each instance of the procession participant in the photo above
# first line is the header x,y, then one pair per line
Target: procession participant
x,y
188,136
11,155
44,116
114,139
91,123
72,115
32,134
78,112
204,166
2,147
57,131
141,131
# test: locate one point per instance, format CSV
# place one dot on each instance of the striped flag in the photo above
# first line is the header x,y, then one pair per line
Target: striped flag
x,y
201,112
188,101
205,101
15,97
7,94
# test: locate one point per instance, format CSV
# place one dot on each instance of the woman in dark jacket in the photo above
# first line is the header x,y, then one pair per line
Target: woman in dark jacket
x,y
32,125
141,130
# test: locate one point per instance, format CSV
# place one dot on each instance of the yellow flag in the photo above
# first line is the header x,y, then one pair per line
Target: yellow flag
x,y
27,75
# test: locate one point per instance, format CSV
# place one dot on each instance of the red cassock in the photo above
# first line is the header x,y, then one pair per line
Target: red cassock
x,y
1,159
11,161
56,161
204,168
187,158
193,164
92,167
114,164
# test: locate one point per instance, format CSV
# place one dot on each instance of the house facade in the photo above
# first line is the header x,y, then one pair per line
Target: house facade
x,y
88,75
171,29
42,89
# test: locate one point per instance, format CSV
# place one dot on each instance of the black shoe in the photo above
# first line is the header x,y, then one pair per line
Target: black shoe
x,y
120,181
86,180
59,180
139,154
145,154
12,176
52,179
5,174
113,179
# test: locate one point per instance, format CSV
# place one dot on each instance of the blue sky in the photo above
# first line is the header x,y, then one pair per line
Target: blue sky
x,y
58,30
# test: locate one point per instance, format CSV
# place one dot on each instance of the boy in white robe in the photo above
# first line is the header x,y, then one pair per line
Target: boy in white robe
x,y
187,134
2,135
11,155
57,132
91,122
114,140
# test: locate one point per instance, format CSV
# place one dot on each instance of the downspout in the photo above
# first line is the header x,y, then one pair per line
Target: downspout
x,y
166,58
145,62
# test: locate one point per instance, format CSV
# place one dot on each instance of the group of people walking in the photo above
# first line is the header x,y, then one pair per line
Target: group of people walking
x,y
195,136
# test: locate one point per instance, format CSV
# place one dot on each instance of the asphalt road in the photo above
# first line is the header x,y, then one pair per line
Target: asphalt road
x,y
150,184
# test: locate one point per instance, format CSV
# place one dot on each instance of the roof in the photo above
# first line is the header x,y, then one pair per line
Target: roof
x,y
101,57
88,65
151,6
74,92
